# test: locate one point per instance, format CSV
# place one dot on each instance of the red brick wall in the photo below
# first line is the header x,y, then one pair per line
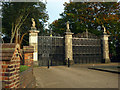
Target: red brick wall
x,y
28,59
28,55
27,79
0,74
10,72
10,75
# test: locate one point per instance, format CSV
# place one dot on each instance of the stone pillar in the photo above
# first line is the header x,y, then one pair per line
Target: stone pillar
x,y
33,41
105,46
68,45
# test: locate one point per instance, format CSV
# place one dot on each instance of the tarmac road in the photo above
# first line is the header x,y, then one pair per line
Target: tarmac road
x,y
74,77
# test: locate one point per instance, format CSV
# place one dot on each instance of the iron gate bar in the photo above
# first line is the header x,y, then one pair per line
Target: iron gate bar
x,y
85,50
56,53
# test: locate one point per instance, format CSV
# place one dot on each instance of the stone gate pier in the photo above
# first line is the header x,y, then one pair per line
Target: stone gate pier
x,y
68,45
33,41
105,46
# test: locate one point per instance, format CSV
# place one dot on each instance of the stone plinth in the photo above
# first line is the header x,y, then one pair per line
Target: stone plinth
x,y
33,41
105,48
68,47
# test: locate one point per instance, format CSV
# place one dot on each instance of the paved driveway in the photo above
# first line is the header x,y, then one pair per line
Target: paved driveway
x,y
74,77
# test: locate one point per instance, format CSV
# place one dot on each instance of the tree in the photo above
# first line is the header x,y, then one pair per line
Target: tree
x,y
16,18
88,15
91,16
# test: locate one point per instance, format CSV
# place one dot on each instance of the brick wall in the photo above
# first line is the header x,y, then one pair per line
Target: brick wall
x,y
28,59
10,68
28,55
27,79
10,75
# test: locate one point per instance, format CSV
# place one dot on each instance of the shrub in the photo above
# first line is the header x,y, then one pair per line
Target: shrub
x,y
23,68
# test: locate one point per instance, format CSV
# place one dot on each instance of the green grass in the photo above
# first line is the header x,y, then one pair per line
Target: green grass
x,y
23,68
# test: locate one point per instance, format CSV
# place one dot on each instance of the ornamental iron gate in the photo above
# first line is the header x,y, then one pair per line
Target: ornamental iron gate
x,y
52,49
44,49
86,48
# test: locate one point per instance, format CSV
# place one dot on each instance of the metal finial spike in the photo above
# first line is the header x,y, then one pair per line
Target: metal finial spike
x,y
86,33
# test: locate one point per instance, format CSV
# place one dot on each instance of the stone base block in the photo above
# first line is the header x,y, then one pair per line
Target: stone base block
x,y
70,61
35,63
106,61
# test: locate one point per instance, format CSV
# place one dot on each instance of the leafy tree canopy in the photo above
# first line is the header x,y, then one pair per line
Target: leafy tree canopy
x,y
89,16
16,16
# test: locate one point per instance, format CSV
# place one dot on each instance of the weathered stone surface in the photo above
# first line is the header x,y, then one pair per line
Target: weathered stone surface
x,y
105,48
33,41
68,46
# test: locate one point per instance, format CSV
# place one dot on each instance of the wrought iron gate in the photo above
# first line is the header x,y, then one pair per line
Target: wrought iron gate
x,y
52,49
44,49
86,48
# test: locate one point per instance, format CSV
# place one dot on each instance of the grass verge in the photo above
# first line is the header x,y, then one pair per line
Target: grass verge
x,y
23,68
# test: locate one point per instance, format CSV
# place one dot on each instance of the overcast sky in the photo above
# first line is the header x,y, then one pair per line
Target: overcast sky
x,y
54,8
